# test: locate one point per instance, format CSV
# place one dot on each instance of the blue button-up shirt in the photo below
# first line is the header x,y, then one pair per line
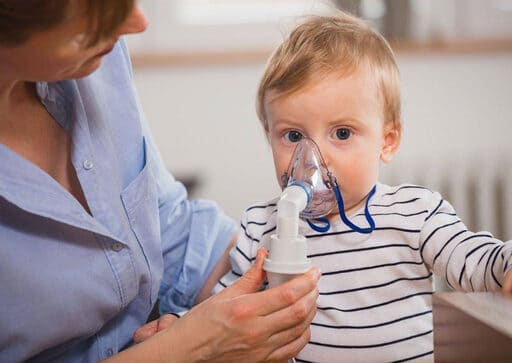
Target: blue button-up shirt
x,y
75,287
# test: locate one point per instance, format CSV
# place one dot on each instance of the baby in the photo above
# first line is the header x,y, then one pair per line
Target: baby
x,y
332,90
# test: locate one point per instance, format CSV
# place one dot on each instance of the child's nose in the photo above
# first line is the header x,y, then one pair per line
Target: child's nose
x,y
323,151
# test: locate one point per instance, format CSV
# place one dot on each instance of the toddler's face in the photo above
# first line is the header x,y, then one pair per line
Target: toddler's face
x,y
344,115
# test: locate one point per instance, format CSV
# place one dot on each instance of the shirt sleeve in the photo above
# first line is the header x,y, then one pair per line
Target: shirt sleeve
x,y
467,260
241,256
194,234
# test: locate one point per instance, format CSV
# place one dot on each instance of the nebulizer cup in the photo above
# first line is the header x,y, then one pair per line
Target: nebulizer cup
x,y
288,250
307,192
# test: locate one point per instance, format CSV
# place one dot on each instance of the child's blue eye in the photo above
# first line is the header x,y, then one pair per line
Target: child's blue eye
x,y
343,133
293,136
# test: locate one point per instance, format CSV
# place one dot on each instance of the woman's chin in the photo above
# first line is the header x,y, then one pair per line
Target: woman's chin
x,y
89,67
84,70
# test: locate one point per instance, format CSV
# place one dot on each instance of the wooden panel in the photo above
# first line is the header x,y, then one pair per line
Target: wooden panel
x,y
199,58
472,327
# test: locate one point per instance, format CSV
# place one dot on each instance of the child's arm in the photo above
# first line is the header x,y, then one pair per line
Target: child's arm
x,y
241,256
507,282
468,261
222,267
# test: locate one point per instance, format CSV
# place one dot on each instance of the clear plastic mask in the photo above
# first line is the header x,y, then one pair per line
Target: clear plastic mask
x,y
308,166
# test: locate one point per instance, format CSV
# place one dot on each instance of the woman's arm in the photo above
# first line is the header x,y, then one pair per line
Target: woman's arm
x,y
238,324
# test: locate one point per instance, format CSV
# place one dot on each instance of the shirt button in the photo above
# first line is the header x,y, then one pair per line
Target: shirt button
x,y
88,164
109,352
116,247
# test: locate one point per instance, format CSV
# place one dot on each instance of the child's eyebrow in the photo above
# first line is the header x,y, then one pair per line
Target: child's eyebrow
x,y
286,122
349,120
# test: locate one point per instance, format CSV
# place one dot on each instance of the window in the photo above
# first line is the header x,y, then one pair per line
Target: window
x,y
220,25
223,12
231,26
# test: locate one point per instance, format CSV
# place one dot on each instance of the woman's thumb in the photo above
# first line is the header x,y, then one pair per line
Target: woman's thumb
x,y
252,280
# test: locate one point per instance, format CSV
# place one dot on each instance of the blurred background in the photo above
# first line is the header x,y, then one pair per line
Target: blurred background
x,y
198,65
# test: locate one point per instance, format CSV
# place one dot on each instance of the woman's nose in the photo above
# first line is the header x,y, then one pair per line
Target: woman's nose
x,y
136,22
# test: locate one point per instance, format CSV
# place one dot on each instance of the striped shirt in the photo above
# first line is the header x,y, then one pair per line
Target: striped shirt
x,y
375,302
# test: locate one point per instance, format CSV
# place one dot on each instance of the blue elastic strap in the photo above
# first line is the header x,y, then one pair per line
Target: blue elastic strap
x,y
321,229
341,208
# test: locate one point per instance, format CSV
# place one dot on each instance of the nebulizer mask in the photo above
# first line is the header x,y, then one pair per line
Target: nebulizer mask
x,y
311,192
308,168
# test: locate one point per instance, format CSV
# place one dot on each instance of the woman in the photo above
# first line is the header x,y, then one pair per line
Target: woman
x,y
93,229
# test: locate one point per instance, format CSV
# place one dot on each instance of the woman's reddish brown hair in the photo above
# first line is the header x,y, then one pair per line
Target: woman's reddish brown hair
x,y
19,19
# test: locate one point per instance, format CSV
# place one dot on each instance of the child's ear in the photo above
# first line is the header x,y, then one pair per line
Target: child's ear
x,y
392,138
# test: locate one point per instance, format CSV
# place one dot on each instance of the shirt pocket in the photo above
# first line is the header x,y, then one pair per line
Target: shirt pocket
x,y
140,201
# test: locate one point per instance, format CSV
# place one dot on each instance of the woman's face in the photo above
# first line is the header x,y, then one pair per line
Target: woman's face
x,y
62,52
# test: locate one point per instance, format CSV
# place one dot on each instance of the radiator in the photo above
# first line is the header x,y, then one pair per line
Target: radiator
x,y
480,190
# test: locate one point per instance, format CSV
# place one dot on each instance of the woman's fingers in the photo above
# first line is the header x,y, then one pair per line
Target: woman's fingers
x,y
291,334
165,321
234,329
242,323
285,330
148,330
289,341
291,349
301,312
145,331
271,300
287,294
251,281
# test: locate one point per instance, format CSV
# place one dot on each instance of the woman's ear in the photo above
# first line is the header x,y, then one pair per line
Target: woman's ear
x,y
392,138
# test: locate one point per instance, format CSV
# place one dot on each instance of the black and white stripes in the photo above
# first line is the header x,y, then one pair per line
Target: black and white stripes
x,y
375,290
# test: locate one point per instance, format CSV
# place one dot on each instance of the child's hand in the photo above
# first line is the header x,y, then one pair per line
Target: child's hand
x,y
148,330
507,282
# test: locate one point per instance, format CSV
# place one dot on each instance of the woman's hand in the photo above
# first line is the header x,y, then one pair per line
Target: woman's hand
x,y
240,324
148,330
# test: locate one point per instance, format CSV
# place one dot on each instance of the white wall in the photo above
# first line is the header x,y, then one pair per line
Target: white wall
x,y
203,120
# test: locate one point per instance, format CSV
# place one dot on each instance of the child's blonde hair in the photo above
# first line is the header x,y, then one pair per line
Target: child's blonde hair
x,y
326,44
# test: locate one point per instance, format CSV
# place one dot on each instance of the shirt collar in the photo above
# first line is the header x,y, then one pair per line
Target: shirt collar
x,y
56,97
